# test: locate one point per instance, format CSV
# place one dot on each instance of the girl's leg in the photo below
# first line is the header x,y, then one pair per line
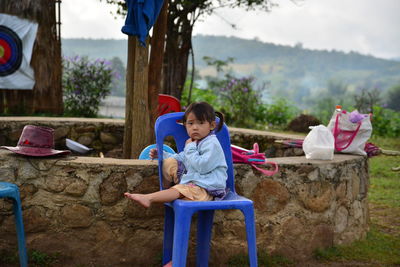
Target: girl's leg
x,y
159,197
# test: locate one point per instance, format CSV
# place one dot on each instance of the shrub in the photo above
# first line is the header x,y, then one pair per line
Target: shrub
x,y
279,113
240,102
385,122
302,122
85,84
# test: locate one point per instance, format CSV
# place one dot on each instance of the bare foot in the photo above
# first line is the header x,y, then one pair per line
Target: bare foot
x,y
139,198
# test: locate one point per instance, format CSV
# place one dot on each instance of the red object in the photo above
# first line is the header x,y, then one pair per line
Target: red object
x,y
252,157
36,141
167,104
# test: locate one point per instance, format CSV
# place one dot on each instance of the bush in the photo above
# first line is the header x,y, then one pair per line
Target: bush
x,y
85,84
385,122
240,102
302,122
279,113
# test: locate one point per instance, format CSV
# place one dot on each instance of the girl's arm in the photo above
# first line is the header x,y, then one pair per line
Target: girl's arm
x,y
211,157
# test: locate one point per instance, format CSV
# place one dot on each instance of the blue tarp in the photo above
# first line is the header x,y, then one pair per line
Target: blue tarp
x,y
142,15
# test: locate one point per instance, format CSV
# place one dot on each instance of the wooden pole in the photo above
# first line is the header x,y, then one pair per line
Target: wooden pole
x,y
137,119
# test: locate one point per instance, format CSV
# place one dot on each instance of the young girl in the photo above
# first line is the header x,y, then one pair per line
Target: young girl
x,y
200,168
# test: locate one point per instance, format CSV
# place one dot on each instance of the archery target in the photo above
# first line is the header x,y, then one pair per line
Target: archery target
x,y
10,51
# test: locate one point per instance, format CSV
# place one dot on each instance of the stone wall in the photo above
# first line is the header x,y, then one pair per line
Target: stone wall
x,y
74,206
106,135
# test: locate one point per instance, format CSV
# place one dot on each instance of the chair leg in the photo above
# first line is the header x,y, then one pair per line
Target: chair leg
x,y
204,230
168,234
23,259
181,237
248,213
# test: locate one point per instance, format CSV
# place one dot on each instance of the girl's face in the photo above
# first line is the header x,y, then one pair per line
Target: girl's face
x,y
198,129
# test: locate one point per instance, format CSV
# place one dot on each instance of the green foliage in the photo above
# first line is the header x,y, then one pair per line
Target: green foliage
x,y
37,258
198,95
85,84
217,63
279,113
240,102
393,99
367,99
385,122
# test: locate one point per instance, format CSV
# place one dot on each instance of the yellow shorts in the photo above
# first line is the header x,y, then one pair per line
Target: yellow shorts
x,y
193,192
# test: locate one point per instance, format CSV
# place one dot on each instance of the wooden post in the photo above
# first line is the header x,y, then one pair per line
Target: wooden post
x,y
137,119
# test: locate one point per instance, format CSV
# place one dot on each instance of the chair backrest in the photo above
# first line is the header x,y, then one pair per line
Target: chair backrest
x,y
167,104
171,125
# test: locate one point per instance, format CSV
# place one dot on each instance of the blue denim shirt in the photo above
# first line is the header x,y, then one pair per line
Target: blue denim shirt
x,y
204,162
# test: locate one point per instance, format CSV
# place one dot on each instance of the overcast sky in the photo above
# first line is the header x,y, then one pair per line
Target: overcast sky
x,y
365,26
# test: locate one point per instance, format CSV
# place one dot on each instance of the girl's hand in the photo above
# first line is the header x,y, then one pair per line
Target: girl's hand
x,y
189,141
153,153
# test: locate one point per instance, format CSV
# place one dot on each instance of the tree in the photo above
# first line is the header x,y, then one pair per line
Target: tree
x,y
46,96
393,98
182,15
367,99
179,18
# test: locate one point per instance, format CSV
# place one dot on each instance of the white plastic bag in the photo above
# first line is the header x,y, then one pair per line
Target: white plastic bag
x,y
319,143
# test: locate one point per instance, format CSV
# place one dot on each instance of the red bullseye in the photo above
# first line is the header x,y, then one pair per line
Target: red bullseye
x,y
5,52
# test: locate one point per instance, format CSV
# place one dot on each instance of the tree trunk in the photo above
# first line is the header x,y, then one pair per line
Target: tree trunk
x,y
46,96
137,118
155,65
178,45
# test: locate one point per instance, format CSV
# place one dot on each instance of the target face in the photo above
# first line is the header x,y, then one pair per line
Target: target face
x,y
10,51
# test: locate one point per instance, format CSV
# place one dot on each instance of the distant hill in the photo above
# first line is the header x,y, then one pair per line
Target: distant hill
x,y
292,72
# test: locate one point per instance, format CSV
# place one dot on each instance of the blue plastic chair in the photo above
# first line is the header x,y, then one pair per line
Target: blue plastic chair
x,y
8,190
178,214
145,152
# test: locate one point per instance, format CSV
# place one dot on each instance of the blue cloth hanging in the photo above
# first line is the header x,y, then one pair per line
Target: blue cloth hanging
x,y
142,15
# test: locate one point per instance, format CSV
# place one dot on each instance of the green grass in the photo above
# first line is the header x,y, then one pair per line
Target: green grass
x,y
378,248
384,182
388,143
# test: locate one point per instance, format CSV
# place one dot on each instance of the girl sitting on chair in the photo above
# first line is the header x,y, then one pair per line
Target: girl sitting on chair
x,y
199,171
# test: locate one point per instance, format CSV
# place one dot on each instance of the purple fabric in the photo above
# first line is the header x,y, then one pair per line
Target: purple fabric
x,y
218,194
355,116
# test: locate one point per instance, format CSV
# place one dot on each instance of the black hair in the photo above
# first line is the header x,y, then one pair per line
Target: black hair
x,y
204,112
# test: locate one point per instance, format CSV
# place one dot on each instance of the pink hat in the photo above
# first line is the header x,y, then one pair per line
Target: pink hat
x,y
36,141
